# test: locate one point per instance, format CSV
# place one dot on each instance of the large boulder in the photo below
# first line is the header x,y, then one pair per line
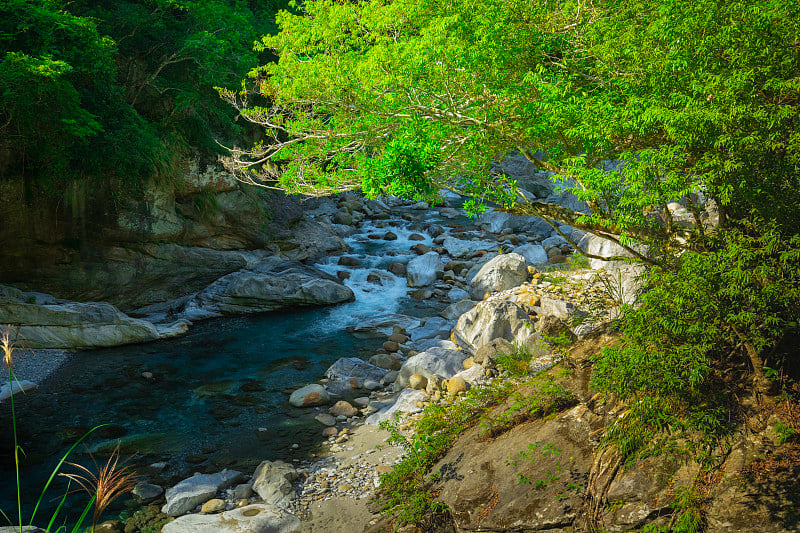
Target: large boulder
x,y
422,270
534,254
498,274
433,361
197,490
350,373
272,481
68,325
255,518
491,320
527,175
270,284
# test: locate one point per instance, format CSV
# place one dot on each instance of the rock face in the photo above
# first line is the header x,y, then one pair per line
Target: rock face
x,y
271,284
422,270
196,490
272,481
433,361
309,396
495,469
491,320
498,274
71,324
256,518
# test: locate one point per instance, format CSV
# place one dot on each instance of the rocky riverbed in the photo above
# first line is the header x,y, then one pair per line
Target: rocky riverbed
x,y
428,284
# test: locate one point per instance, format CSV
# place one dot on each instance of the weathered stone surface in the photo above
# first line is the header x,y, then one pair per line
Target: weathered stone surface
x,y
439,361
309,396
493,221
527,176
272,481
197,489
477,473
343,408
498,274
213,506
386,361
491,320
534,254
256,518
147,491
422,270
453,311
349,373
486,354
433,327
418,381
456,385
559,308
406,403
271,284
69,325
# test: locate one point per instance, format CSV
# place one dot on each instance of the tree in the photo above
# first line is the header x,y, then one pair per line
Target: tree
x,y
692,101
695,99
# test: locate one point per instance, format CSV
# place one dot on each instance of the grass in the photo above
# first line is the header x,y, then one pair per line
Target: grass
x,y
111,481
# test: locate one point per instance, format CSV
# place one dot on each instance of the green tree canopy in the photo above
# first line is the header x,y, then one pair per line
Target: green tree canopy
x,y
402,96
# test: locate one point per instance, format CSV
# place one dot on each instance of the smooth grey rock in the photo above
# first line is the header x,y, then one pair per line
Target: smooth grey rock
x,y
494,221
325,419
434,361
534,254
309,396
406,403
272,481
453,311
491,320
25,529
243,491
350,373
72,325
16,387
432,327
422,270
498,274
147,491
255,518
559,308
527,175
271,284
196,490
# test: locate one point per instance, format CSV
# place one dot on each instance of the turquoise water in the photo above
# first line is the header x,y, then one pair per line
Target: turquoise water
x,y
217,397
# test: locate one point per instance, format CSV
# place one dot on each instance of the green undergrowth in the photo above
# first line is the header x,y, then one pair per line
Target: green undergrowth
x,y
407,491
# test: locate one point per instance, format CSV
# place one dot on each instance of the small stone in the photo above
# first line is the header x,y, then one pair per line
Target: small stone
x,y
147,375
330,432
398,338
325,419
213,506
371,384
343,408
345,487
391,346
146,491
468,363
243,491
456,385
390,236
417,381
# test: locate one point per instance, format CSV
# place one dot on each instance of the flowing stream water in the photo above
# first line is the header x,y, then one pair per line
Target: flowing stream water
x,y
214,398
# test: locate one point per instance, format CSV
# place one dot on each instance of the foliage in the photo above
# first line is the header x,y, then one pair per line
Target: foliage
x,y
114,91
690,100
696,327
516,362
